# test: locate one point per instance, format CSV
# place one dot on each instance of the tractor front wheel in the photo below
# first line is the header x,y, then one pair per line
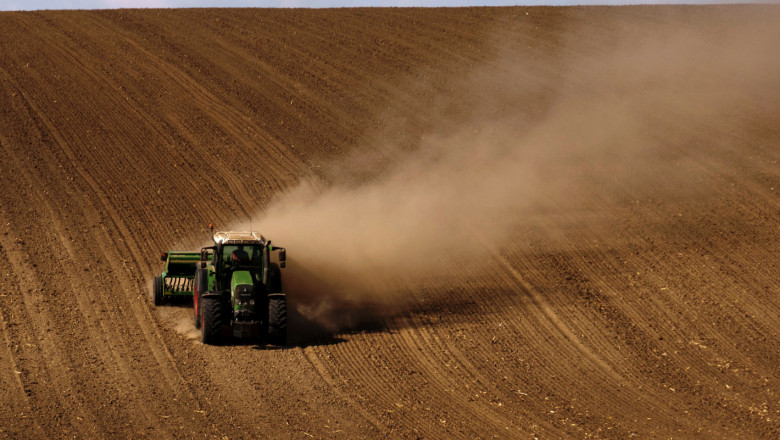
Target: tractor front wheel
x,y
158,291
212,318
277,319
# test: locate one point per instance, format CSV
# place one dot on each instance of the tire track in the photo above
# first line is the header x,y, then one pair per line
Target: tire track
x,y
15,420
599,352
55,388
92,314
314,360
225,114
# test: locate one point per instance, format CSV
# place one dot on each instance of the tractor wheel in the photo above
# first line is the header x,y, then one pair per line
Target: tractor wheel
x,y
212,317
158,291
200,286
196,309
277,319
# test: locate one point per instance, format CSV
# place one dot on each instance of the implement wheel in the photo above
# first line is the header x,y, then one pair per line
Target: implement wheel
x,y
158,291
277,319
212,318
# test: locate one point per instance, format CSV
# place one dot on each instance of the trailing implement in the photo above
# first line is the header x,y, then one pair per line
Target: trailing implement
x,y
177,277
235,285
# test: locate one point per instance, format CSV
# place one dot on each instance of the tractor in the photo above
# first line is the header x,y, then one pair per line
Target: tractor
x,y
235,286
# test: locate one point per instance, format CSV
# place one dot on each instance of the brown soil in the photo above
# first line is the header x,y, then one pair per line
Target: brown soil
x,y
628,311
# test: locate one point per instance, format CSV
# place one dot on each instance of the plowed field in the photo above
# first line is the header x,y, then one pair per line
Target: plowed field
x,y
502,222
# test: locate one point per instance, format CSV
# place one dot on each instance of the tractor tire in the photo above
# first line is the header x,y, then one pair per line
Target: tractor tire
x,y
212,318
277,319
157,291
196,309
200,286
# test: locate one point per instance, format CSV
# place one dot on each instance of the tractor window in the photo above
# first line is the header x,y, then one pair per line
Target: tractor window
x,y
242,255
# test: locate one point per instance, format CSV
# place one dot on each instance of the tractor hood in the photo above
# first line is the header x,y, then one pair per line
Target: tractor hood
x,y
241,286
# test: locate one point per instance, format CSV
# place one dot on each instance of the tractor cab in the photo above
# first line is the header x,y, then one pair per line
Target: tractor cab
x,y
239,252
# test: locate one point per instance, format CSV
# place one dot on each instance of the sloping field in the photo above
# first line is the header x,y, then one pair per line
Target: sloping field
x,y
502,223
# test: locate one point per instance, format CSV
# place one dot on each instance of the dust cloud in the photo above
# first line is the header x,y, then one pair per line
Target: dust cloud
x,y
180,318
178,314
604,118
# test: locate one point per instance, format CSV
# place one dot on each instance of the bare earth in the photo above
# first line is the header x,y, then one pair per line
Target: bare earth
x,y
647,306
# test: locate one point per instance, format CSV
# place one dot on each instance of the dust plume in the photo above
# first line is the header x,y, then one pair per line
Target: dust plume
x,y
180,318
606,117
177,315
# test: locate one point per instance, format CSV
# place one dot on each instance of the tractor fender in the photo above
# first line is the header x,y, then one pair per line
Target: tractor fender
x,y
214,294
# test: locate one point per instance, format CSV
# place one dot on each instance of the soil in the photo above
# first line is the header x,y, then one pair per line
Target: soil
x,y
125,133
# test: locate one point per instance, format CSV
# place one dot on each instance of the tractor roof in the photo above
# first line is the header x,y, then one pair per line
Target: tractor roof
x,y
238,237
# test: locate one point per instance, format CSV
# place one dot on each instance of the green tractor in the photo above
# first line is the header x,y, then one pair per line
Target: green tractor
x,y
236,288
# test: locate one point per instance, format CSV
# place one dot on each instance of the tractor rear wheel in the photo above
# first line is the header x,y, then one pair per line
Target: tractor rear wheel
x,y
212,318
158,291
277,319
200,286
196,309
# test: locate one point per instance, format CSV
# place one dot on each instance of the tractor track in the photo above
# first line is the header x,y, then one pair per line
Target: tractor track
x,y
124,133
